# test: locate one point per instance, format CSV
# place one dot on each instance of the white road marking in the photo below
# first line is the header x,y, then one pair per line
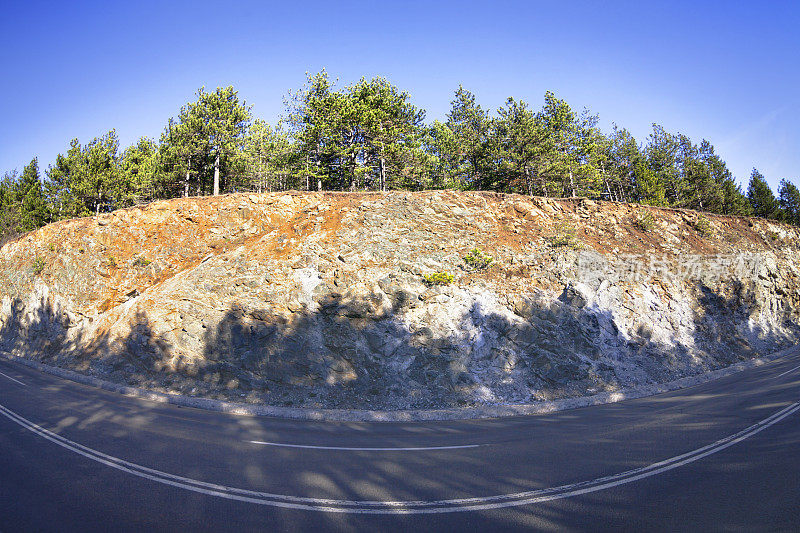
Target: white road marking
x,y
12,379
403,507
792,370
309,447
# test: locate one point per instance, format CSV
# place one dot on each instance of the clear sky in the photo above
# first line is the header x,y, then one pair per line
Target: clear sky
x,y
725,71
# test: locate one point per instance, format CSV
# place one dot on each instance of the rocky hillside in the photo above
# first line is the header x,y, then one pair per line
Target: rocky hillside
x,y
327,299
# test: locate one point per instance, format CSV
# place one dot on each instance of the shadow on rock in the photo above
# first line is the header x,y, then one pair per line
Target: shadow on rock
x,y
391,349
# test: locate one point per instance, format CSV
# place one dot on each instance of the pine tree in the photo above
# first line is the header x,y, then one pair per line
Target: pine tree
x,y
267,155
520,140
762,199
440,143
470,126
9,207
311,119
734,201
662,160
721,194
649,188
623,156
139,169
590,153
88,179
204,145
391,133
789,200
33,205
560,153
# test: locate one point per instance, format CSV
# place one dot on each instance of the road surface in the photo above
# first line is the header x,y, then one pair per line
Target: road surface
x,y
720,456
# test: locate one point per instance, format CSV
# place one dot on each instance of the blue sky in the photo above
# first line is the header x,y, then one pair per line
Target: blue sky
x,y
725,71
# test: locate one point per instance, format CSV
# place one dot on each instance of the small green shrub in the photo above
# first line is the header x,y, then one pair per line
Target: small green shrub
x,y
52,247
38,266
112,261
438,278
478,260
646,222
773,236
141,261
564,236
731,238
703,226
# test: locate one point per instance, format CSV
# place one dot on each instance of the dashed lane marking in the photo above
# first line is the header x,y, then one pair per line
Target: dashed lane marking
x,y
349,449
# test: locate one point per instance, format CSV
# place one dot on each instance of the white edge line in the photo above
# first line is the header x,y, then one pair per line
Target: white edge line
x,y
315,504
792,370
344,448
12,379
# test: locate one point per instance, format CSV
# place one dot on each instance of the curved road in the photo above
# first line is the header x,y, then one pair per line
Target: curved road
x,y
720,456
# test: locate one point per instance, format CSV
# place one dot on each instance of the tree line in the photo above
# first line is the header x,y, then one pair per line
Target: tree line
x,y
369,135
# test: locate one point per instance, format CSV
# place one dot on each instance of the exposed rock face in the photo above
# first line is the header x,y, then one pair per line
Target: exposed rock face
x,y
318,299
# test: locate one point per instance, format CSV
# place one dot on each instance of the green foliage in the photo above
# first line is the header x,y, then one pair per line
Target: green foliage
x,y
646,222
441,145
762,200
267,158
649,188
438,278
112,261
520,148
23,204
203,148
470,127
676,172
369,135
138,167
478,260
87,180
564,236
561,151
34,212
789,201
703,226
38,266
141,261
9,208
623,169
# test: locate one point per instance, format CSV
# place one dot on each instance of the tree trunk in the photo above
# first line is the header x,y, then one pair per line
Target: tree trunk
x,y
608,189
605,182
383,175
353,164
186,183
262,177
572,183
216,175
529,181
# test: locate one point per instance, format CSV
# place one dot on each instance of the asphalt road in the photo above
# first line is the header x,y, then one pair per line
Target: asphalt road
x,y
723,456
